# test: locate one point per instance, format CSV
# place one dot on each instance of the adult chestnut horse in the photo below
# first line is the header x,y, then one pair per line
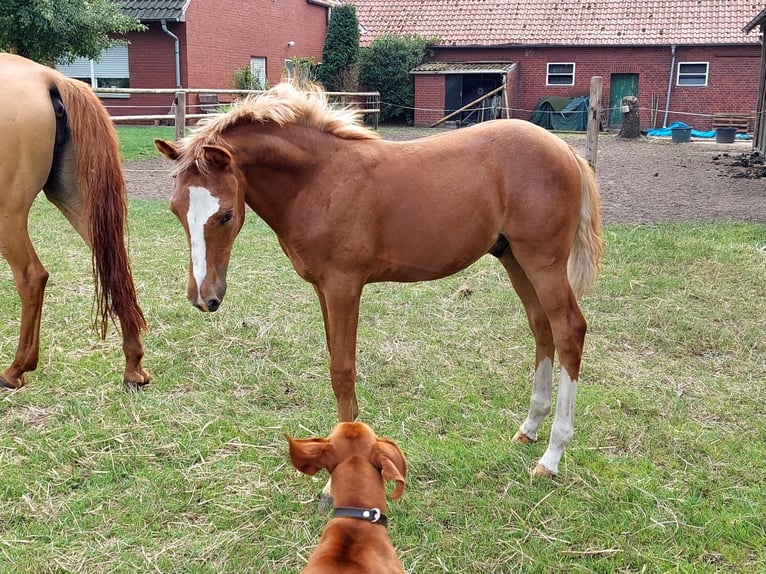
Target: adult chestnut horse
x,y
350,209
56,136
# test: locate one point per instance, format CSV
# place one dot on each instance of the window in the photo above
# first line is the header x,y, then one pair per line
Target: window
x,y
109,71
560,75
258,68
692,74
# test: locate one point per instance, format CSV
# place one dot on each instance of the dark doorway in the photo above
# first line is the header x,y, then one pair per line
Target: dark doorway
x,y
462,89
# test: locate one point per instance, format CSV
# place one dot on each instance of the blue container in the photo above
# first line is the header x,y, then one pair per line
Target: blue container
x,y
681,135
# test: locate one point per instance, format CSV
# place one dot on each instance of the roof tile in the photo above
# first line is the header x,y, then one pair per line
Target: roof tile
x,y
561,22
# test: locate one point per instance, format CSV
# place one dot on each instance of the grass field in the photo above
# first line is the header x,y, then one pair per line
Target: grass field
x,y
665,473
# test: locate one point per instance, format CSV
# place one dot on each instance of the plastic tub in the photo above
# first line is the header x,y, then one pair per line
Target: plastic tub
x,y
725,134
681,135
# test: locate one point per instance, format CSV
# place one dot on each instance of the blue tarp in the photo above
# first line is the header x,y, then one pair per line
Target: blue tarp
x,y
665,132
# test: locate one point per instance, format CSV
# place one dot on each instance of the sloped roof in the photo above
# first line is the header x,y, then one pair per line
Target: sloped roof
x,y
758,20
464,67
561,22
146,10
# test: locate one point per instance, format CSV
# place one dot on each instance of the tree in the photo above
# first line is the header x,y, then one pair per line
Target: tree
x,y
385,66
52,31
341,50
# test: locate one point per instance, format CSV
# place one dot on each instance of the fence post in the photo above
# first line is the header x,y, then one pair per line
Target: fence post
x,y
180,103
594,120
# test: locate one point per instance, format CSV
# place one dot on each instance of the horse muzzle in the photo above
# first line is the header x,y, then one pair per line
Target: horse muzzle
x,y
208,306
207,300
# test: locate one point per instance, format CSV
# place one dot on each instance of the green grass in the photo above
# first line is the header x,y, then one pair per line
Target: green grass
x,y
137,142
665,473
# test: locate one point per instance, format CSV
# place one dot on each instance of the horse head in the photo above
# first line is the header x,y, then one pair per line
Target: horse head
x,y
208,200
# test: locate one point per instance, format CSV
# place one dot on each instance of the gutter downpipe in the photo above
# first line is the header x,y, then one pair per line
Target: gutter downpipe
x,y
177,51
670,84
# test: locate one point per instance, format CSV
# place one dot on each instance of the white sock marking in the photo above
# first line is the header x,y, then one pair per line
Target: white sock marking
x,y
540,403
563,423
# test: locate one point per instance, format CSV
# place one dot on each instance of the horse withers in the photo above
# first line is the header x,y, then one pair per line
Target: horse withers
x,y
350,208
56,136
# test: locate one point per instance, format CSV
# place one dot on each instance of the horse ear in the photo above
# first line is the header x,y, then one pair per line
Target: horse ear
x,y
166,148
393,466
312,454
217,156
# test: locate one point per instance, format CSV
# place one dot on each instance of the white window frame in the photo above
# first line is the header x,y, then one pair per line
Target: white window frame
x,y
113,63
692,75
549,74
258,68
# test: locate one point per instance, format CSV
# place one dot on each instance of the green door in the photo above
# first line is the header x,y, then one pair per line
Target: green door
x,y
621,85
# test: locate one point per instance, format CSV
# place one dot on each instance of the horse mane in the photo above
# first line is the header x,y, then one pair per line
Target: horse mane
x,y
281,105
98,170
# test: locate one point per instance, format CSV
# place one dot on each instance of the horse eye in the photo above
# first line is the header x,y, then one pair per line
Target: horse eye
x,y
226,217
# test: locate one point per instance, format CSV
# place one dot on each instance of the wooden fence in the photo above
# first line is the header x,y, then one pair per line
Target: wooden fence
x,y
210,101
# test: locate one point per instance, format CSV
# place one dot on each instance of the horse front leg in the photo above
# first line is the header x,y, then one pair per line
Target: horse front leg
x,y
341,309
135,376
30,278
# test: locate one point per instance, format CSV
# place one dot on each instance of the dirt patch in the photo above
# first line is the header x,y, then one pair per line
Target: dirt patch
x,y
646,180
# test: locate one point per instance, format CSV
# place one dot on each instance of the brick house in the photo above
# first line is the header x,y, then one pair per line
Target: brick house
x,y
685,60
200,44
759,132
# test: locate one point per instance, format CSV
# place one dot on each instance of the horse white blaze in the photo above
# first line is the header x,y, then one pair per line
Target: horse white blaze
x,y
540,403
202,205
562,430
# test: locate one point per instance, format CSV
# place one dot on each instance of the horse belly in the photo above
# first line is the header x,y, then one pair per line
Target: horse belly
x,y
427,245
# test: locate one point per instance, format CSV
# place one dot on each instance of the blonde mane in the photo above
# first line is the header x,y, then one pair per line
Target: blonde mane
x,y
282,105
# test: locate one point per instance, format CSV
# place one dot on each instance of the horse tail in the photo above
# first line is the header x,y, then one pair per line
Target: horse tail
x,y
585,257
98,169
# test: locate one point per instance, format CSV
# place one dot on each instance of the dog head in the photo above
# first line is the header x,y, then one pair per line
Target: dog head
x,y
347,440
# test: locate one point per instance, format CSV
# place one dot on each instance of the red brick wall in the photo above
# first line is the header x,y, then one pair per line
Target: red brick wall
x,y
218,37
224,34
429,98
732,81
152,65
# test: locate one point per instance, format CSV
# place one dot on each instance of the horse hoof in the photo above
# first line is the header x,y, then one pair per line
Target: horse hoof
x,y
521,438
4,384
543,472
134,386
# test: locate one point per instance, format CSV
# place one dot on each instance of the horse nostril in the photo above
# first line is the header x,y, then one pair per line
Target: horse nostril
x,y
213,304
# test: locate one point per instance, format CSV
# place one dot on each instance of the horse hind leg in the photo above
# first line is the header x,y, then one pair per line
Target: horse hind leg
x,y
551,297
30,278
540,401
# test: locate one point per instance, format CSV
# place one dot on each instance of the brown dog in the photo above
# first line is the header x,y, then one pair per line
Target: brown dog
x,y
355,540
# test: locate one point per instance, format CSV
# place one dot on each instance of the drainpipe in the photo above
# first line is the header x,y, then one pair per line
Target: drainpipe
x,y
177,51
670,84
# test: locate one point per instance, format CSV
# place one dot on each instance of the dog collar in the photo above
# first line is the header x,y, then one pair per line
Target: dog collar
x,y
369,514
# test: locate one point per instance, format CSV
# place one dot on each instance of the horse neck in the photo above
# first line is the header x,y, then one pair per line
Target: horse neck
x,y
277,163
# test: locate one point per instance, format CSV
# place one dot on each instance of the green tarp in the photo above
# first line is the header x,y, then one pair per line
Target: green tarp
x,y
561,113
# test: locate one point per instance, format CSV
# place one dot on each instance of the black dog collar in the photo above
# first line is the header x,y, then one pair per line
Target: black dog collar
x,y
369,514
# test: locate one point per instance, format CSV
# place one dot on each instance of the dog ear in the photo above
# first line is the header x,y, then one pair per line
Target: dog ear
x,y
392,464
312,454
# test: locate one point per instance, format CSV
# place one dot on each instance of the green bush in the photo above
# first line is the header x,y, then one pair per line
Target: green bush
x,y
244,79
385,66
341,51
